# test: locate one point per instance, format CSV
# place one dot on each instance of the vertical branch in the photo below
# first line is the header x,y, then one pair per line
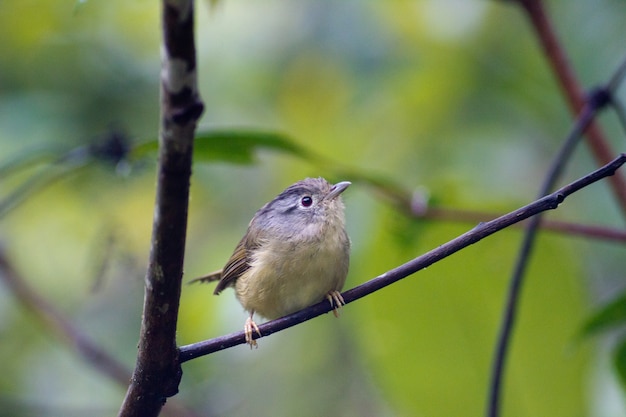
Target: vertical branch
x,y
513,298
574,93
157,371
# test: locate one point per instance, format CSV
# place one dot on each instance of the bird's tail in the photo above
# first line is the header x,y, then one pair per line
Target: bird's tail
x,y
213,276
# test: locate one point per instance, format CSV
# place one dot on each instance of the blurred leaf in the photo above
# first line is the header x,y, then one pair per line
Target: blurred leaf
x,y
143,149
235,146
238,146
619,361
609,316
447,314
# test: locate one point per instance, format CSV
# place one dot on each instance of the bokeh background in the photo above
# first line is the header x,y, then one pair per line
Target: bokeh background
x,y
452,98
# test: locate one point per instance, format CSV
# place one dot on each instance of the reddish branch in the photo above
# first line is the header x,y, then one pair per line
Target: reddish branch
x,y
567,228
574,93
57,323
54,321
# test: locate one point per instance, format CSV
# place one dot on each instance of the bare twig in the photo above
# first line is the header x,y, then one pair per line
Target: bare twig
x,y
481,231
516,282
415,205
157,371
558,226
600,98
56,322
574,93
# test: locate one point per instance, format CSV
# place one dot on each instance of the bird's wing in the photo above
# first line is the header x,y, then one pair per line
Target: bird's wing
x,y
238,263
235,267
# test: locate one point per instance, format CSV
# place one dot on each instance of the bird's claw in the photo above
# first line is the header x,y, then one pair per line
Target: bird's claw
x,y
336,301
248,329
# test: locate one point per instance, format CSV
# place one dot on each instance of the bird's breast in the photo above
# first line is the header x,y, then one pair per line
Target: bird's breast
x,y
288,275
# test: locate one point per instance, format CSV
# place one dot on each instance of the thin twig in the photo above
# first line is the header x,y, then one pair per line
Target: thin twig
x,y
405,202
416,206
600,98
574,93
558,226
513,295
56,322
481,231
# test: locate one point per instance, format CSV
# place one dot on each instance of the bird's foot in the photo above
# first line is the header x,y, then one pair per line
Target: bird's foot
x,y
336,301
248,329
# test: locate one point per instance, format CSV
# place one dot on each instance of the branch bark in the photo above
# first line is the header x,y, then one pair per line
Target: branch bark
x,y
157,371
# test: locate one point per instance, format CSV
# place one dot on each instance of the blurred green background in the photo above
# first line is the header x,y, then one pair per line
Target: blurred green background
x,y
453,97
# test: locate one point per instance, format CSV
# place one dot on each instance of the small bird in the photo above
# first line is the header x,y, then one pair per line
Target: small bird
x,y
295,253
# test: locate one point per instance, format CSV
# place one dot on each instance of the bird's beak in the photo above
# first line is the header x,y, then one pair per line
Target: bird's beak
x,y
337,189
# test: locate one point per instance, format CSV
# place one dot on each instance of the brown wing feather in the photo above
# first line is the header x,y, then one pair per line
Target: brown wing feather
x,y
236,265
239,261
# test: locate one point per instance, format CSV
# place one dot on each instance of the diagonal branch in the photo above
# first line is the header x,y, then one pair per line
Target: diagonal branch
x,y
55,322
549,202
157,371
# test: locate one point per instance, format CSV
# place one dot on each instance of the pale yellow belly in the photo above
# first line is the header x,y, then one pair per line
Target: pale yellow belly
x,y
287,278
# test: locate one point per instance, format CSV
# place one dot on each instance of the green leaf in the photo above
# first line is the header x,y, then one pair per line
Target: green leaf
x,y
143,149
239,146
609,316
233,145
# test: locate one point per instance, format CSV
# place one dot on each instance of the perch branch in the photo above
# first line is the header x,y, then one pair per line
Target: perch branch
x,y
478,233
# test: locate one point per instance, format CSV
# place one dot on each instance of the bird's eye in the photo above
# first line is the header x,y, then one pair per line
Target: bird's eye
x,y
306,201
